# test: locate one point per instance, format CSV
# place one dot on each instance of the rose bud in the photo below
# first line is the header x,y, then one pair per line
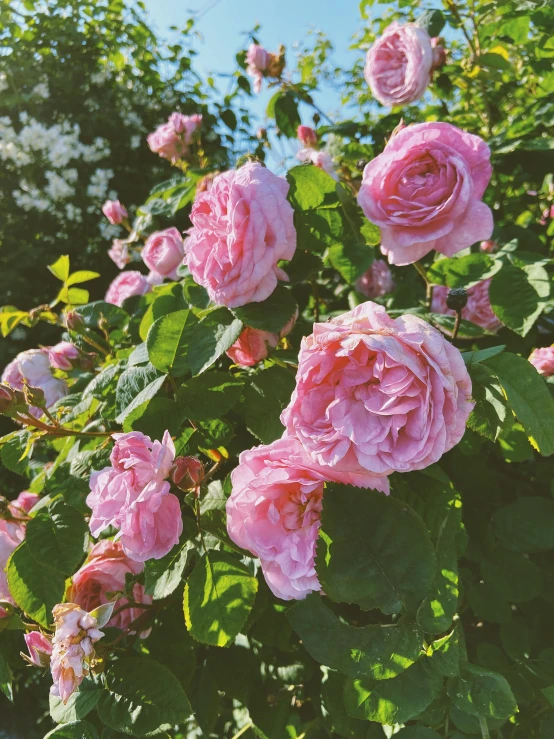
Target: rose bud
x,y
306,135
114,212
488,246
261,134
40,649
187,473
457,298
439,53
73,321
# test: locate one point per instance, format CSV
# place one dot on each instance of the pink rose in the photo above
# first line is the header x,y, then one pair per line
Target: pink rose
x,y
119,253
40,648
321,159
171,140
102,576
378,395
257,60
242,227
64,356
424,192
25,502
307,136
12,533
398,65
125,286
163,252
33,367
377,281
274,512
543,360
185,124
478,309
252,346
114,212
133,496
439,53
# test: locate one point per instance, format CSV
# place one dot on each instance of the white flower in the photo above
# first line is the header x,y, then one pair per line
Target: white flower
x,y
41,90
4,84
57,188
135,141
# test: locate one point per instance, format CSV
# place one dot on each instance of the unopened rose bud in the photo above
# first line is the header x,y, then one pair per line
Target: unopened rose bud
x,y
457,298
7,398
316,118
261,134
73,321
114,212
439,53
187,473
307,136
40,649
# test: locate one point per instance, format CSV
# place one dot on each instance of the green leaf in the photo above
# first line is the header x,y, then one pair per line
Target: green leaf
x,y
417,732
516,577
373,550
264,399
526,525
79,705
57,538
219,595
163,576
317,229
131,382
13,452
446,654
432,20
393,701
142,698
35,588
168,342
481,355
6,678
209,395
490,410
271,314
311,187
73,730
378,652
530,283
351,259
494,61
154,417
60,268
100,311
286,114
212,337
463,271
483,693
528,397
83,275
144,396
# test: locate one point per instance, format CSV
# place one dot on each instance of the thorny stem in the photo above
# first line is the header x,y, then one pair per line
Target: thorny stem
x,y
457,325
428,285
57,430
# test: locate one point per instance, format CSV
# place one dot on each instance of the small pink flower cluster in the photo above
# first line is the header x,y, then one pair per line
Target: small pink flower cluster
x,y
171,140
132,495
478,309
373,396
12,533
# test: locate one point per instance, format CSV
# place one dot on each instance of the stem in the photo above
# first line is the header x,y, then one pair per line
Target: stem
x,y
428,285
95,344
484,728
243,730
57,430
457,325
315,293
456,13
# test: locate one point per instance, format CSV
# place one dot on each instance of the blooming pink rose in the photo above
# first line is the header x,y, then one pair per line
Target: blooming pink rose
x,y
114,212
398,65
125,286
424,192
477,310
163,252
40,648
64,356
133,496
103,575
33,367
171,140
321,159
185,124
378,395
252,346
257,59
543,360
242,227
377,281
73,648
119,253
307,136
274,512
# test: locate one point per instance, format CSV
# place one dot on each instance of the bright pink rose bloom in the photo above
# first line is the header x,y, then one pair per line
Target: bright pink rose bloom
x,y
33,367
163,252
64,356
307,136
321,159
102,575
398,65
73,648
119,253
543,360
424,192
40,648
478,309
114,212
133,496
257,59
488,247
242,227
274,512
185,125
125,286
377,281
377,395
252,346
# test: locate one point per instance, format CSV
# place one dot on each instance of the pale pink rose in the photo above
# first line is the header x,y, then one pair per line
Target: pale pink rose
x,y
40,648
102,576
377,281
257,59
543,360
242,227
398,65
171,140
252,346
125,286
33,367
378,395
274,512
133,496
307,136
73,648
186,125
488,247
321,159
477,310
424,192
163,252
64,356
114,212
119,253
25,501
